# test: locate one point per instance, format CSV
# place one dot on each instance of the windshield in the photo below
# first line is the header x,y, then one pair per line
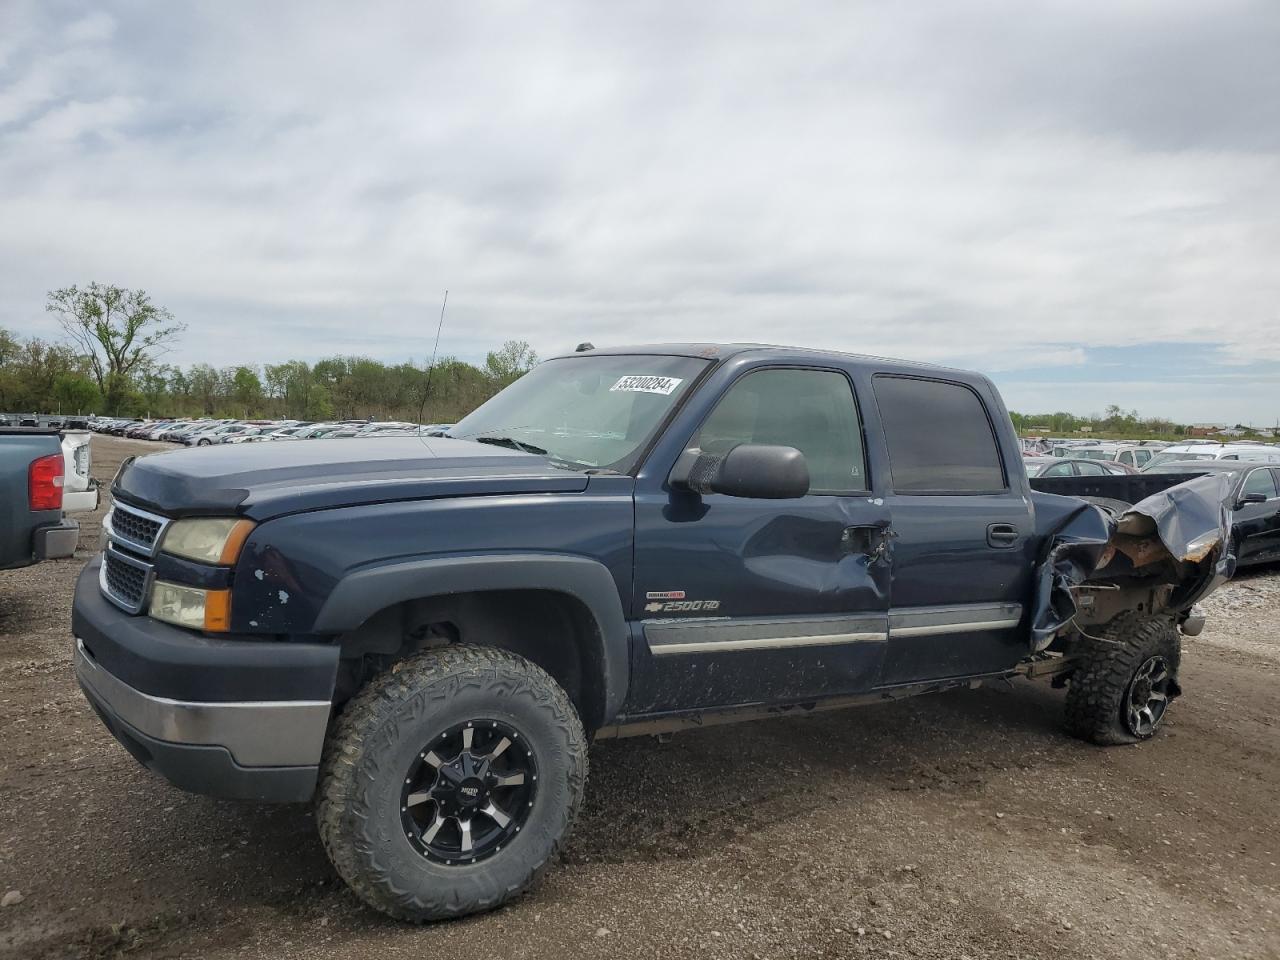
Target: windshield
x,y
595,411
1160,458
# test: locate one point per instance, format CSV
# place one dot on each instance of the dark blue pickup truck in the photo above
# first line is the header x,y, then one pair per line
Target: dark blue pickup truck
x,y
422,634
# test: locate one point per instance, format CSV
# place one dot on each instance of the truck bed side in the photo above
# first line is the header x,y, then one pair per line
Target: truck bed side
x,y
1129,488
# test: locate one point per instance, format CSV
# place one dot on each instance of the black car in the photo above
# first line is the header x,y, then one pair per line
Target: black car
x,y
1254,502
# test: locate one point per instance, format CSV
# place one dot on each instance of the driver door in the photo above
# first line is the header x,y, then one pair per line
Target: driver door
x,y
751,600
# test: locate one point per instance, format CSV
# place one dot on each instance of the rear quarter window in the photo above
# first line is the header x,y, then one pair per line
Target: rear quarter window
x,y
940,438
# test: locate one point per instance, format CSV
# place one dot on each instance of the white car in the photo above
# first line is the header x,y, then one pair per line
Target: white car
x,y
1253,452
1130,454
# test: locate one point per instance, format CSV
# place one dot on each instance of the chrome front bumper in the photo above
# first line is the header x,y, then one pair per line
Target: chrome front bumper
x,y
256,733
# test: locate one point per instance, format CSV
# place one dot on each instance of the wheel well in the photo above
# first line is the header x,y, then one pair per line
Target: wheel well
x,y
554,630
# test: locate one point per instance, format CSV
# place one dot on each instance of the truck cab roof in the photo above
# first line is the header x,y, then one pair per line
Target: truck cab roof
x,y
727,351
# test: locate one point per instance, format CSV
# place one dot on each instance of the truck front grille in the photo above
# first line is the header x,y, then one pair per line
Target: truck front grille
x,y
125,580
133,537
136,528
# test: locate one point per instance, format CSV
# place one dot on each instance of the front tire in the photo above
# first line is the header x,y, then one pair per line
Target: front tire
x,y
449,783
1125,681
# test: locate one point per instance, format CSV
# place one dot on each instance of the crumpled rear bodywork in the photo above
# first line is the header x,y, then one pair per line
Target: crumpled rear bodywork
x,y
1165,552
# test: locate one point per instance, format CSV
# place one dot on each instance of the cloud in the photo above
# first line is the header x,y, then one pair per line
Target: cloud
x,y
1000,186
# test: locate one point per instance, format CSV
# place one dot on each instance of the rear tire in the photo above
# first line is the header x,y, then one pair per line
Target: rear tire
x,y
389,769
1121,690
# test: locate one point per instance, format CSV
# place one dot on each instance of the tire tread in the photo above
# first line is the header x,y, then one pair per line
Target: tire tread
x,y
1106,665
344,820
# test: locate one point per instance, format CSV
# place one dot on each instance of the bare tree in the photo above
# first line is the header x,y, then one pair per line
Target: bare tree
x,y
116,329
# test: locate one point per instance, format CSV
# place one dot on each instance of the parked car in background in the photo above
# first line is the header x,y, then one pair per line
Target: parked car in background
x,y
388,426
248,433
1255,452
194,437
1254,502
218,435
1130,454
1077,467
288,431
178,434
321,430
1060,448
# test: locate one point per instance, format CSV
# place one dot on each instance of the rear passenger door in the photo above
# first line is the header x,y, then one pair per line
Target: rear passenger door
x,y
964,545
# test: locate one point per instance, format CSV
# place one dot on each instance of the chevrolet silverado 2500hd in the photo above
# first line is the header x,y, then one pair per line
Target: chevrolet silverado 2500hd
x,y
422,634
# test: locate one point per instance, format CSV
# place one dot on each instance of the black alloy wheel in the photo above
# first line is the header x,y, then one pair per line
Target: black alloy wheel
x,y
1148,696
449,782
469,792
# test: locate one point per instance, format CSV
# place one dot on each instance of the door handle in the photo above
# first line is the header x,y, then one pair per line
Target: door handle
x,y
1002,534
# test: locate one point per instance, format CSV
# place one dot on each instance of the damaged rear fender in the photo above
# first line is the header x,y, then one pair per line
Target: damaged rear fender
x,y
1162,554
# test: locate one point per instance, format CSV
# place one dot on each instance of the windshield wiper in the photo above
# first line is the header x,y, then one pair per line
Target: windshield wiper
x,y
513,443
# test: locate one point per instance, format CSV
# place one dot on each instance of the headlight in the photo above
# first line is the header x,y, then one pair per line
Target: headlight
x,y
208,540
191,607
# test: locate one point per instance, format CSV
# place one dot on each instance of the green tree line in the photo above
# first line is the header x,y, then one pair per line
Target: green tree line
x,y
43,377
112,364
1113,422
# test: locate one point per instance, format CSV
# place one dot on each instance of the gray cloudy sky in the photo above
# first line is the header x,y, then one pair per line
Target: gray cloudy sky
x,y
1079,198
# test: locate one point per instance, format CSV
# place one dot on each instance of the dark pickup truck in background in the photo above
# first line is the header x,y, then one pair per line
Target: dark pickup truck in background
x,y
422,634
32,475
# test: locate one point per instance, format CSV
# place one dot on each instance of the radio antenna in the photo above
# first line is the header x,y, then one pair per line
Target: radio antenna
x,y
435,352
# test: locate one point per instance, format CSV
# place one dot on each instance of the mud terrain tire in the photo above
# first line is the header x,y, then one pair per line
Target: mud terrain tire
x,y
384,731
1098,697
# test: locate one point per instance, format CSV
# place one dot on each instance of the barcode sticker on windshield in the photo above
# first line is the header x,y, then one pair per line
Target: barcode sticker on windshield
x,y
638,384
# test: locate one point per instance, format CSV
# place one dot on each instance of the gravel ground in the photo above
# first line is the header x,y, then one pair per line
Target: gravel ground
x,y
962,825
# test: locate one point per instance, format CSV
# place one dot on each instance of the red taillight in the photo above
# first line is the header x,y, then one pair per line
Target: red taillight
x,y
44,483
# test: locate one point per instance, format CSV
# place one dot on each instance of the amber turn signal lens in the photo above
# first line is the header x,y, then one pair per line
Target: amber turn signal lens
x,y
217,609
191,607
235,542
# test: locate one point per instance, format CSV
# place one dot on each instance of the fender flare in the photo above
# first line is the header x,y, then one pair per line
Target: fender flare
x,y
366,591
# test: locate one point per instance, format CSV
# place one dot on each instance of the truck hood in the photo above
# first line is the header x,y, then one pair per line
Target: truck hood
x,y
263,480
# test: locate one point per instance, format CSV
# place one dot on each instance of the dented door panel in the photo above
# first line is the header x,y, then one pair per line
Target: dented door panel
x,y
740,601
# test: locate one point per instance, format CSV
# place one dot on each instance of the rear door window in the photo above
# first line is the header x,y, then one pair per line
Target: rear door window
x,y
940,437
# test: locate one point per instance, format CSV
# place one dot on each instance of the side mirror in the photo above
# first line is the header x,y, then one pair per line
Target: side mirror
x,y
751,470
1249,498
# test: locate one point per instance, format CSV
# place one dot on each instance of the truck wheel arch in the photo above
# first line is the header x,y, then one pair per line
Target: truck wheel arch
x,y
587,584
